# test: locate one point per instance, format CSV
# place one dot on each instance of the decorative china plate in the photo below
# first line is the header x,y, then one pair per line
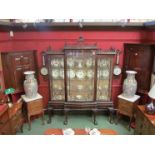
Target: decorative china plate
x,y
90,74
80,87
61,73
55,63
94,132
55,73
80,74
70,62
105,73
103,63
79,97
102,97
71,74
68,131
59,97
62,62
57,87
89,62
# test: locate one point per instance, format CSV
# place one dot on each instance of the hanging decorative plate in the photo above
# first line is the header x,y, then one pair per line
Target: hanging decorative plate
x,y
80,74
71,74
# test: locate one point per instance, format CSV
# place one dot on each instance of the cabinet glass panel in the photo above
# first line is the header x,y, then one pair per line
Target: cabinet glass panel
x,y
80,75
57,78
103,78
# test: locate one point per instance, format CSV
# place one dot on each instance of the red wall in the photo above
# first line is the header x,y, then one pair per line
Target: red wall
x,y
104,39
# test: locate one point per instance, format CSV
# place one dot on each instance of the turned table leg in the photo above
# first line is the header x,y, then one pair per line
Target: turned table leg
x,y
29,122
130,122
42,117
94,116
118,117
50,112
66,117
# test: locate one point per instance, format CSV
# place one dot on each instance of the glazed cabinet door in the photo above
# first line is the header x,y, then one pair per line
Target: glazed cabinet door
x,y
56,76
80,75
104,77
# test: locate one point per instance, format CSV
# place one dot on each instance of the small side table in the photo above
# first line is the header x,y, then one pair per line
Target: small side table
x,y
126,106
34,107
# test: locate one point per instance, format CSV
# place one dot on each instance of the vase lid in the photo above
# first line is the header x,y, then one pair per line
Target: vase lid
x,y
29,72
131,72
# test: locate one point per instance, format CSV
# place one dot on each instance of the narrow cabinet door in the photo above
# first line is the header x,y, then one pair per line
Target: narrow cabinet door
x,y
80,75
56,76
104,77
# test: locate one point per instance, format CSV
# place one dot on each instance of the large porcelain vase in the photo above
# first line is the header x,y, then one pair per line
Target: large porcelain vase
x,y
130,84
30,84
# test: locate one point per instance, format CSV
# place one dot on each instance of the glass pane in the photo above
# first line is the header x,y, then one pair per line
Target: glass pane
x,y
80,75
57,78
103,79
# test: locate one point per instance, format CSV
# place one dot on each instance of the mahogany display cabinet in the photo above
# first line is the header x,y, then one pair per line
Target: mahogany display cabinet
x,y
80,78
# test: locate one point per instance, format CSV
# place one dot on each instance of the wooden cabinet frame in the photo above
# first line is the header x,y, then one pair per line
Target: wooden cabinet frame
x,y
66,104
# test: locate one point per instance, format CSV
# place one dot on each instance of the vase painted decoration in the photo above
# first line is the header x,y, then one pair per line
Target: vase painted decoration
x,y
30,84
130,84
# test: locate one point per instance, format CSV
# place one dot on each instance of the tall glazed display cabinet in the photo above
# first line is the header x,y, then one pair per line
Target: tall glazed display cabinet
x,y
80,78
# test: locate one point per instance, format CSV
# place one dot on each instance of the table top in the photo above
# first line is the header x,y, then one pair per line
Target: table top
x,y
132,99
26,99
78,131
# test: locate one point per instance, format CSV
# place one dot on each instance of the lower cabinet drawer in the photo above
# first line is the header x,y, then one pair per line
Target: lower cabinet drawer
x,y
4,118
125,107
6,129
35,104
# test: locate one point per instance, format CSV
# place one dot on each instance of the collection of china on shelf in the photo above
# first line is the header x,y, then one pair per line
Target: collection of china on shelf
x,y
103,79
80,76
78,73
57,74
